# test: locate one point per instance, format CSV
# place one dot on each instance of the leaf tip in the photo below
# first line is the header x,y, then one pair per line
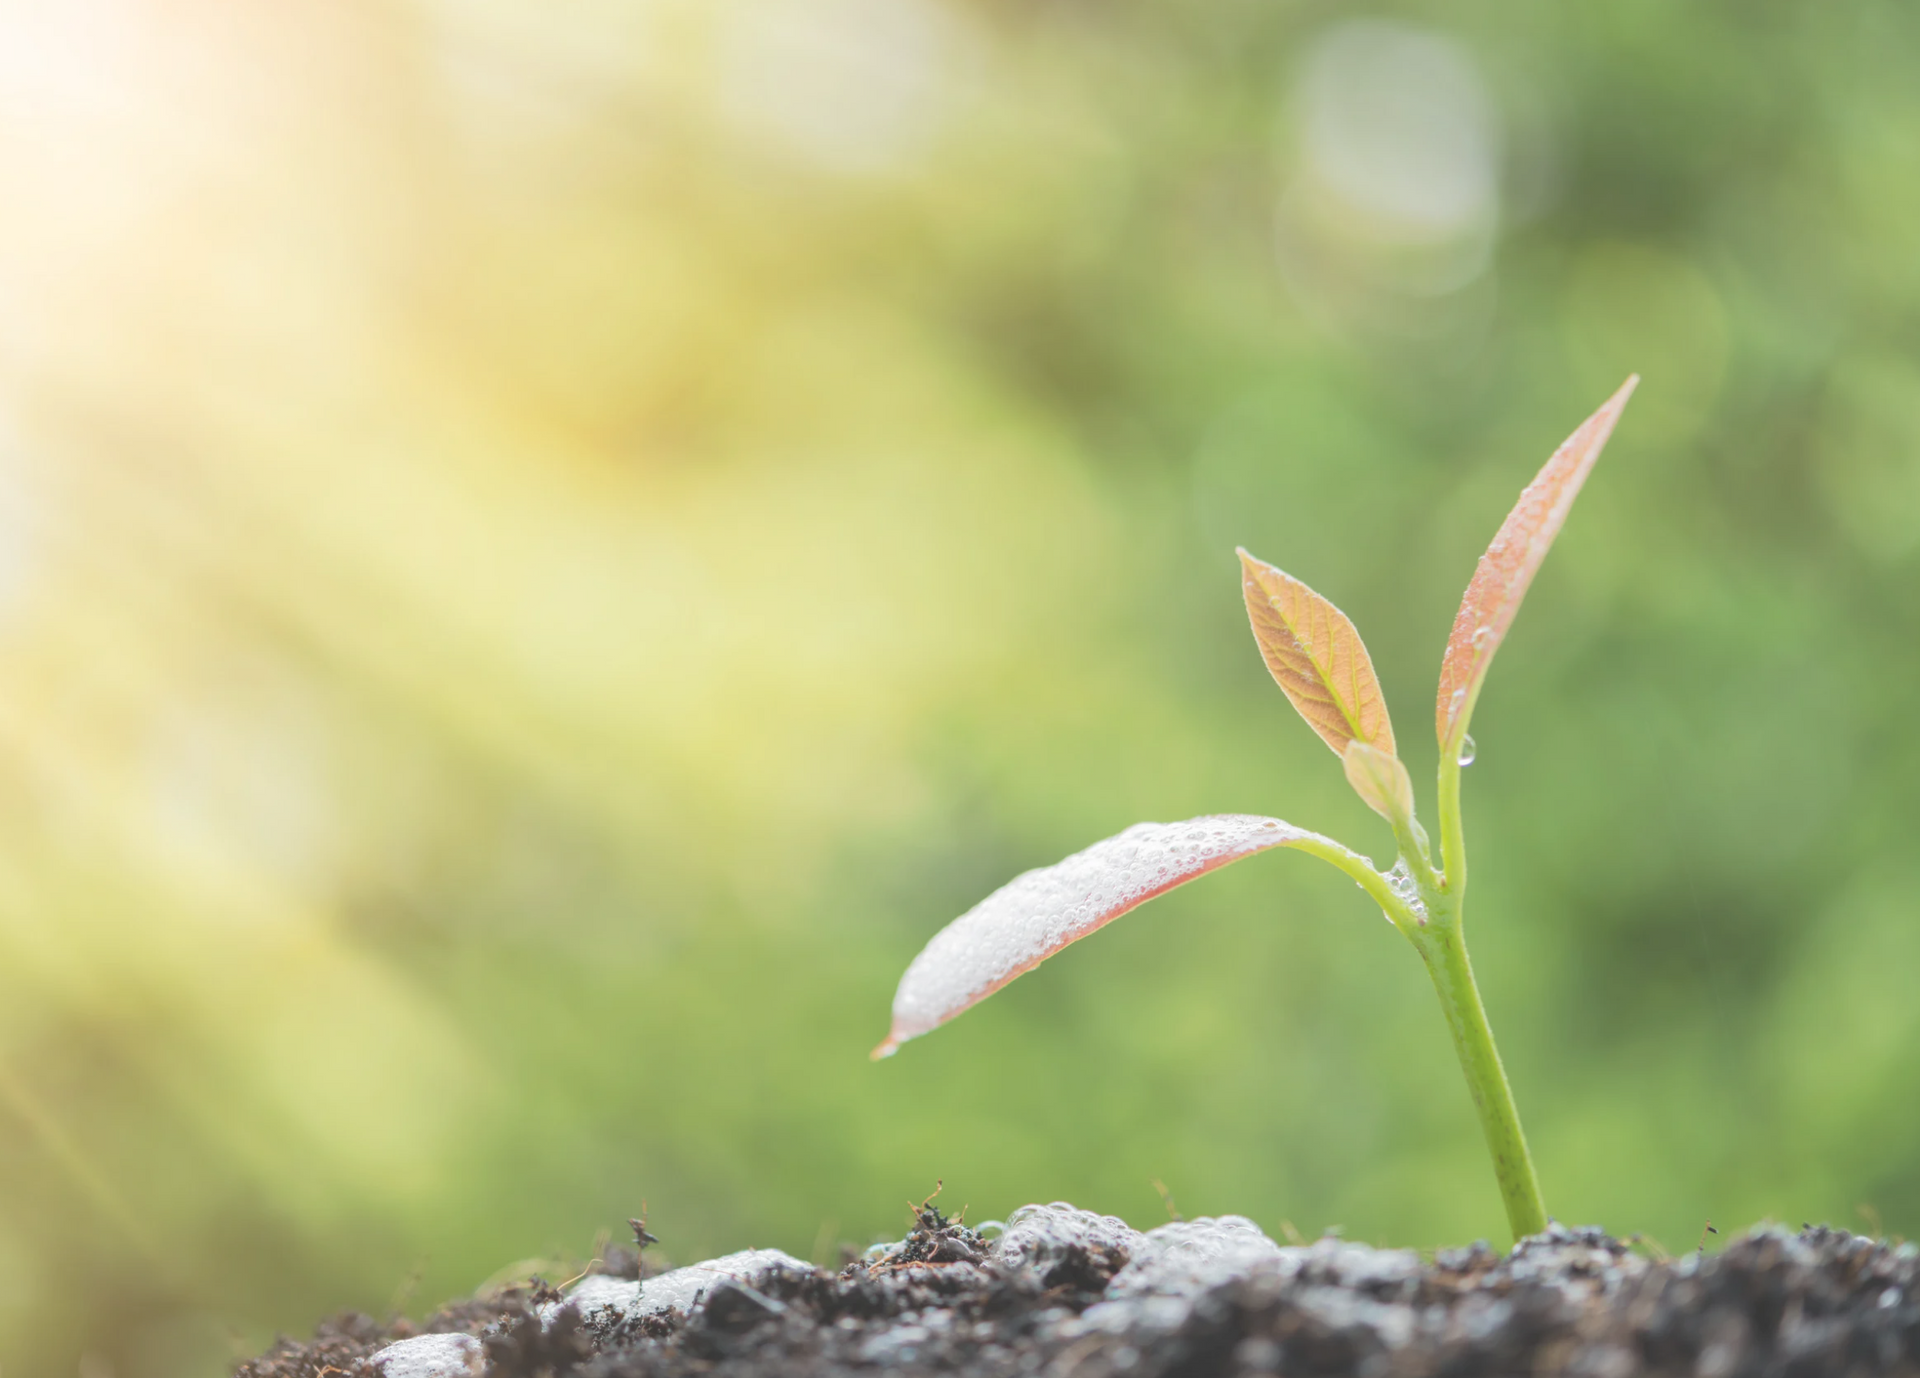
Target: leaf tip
x,y
885,1050
1594,433
1610,412
1584,445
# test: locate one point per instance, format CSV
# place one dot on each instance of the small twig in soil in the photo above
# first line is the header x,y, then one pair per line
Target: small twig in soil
x,y
1653,1247
823,1242
920,1211
1166,1199
404,1292
641,1238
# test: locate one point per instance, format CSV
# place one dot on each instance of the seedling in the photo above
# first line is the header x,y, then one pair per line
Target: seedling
x,y
1317,658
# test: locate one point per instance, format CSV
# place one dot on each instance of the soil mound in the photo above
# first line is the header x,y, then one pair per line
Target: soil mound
x,y
1065,1292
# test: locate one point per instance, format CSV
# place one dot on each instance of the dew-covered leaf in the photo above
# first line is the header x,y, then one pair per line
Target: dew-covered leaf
x,y
1034,915
1316,656
1500,579
1380,780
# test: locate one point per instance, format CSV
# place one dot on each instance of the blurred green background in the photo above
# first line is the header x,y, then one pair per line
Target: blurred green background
x,y
545,548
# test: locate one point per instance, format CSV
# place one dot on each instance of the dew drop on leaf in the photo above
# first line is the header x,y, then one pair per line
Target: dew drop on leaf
x,y
1466,750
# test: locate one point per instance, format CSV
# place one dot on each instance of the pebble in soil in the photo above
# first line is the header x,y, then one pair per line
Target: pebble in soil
x,y
1062,1291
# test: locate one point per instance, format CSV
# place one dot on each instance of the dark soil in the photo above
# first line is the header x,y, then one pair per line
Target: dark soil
x,y
948,1301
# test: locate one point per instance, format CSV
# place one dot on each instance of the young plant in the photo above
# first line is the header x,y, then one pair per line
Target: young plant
x,y
1317,658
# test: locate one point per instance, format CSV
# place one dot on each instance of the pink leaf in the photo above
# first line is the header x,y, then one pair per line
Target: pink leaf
x,y
1315,656
1034,915
1501,578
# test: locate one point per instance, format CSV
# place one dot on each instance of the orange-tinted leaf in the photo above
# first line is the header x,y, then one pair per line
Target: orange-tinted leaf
x,y
1316,656
1380,780
1034,915
1500,579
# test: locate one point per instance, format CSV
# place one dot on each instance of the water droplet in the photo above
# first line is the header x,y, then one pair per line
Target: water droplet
x,y
1480,635
1466,750
1406,889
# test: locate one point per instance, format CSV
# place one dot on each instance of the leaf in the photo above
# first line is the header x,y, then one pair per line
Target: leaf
x,y
1500,579
1380,780
1316,656
1034,915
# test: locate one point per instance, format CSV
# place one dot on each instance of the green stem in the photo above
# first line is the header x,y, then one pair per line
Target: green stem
x,y
1443,946
1433,927
1444,950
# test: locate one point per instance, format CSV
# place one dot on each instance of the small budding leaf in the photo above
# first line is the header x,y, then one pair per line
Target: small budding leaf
x,y
1034,915
1501,578
1380,780
1316,656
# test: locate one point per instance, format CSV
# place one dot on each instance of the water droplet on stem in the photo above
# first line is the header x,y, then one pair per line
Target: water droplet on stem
x,y
1406,889
1466,750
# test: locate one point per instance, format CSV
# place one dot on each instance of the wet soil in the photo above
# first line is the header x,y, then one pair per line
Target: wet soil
x,y
1071,1294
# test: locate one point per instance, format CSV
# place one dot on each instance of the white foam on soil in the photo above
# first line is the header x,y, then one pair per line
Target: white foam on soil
x,y
597,1290
1037,914
680,1290
1173,1264
1185,1258
1033,1234
429,1356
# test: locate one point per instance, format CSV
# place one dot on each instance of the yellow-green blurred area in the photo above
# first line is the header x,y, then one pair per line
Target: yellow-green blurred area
x,y
545,548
